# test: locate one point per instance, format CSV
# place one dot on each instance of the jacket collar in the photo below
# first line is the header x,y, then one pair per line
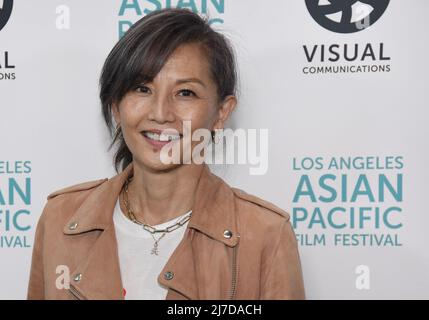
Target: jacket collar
x,y
213,211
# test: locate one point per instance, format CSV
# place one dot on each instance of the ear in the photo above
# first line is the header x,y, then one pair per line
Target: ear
x,y
225,110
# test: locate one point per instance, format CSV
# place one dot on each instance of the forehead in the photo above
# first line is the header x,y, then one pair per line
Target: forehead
x,y
188,60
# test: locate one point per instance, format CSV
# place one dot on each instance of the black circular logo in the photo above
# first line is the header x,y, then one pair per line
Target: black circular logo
x,y
346,16
5,11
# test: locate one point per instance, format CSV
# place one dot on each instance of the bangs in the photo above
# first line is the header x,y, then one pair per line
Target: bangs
x,y
146,52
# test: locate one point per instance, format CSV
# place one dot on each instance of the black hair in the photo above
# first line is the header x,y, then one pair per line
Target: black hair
x,y
144,49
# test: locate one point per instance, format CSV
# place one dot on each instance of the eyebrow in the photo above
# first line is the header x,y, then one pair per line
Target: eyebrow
x,y
180,81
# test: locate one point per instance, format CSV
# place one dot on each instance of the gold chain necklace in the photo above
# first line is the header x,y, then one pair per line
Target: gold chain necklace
x,y
148,227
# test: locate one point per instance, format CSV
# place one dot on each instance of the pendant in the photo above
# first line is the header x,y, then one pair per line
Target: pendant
x,y
155,248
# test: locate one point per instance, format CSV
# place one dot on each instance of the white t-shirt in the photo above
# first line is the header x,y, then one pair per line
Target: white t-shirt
x,y
140,268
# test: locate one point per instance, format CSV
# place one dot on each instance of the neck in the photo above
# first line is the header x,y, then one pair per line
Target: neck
x,y
159,196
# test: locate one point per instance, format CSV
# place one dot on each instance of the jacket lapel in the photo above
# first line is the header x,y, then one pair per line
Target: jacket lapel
x,y
98,275
214,212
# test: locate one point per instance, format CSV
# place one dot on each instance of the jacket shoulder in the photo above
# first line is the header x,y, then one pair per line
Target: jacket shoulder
x,y
260,202
77,187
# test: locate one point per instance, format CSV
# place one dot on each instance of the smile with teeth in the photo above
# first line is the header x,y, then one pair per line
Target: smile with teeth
x,y
164,137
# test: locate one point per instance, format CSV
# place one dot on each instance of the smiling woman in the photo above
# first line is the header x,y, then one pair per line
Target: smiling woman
x,y
164,230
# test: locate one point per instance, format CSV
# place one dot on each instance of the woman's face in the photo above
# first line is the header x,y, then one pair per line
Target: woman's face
x,y
182,91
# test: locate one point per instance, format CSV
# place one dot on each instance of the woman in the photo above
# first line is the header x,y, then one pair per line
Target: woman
x,y
162,230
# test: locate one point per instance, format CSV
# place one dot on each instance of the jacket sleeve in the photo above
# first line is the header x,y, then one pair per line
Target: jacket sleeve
x,y
36,283
281,278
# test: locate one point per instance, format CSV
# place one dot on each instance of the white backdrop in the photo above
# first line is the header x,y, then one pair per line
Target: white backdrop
x,y
52,134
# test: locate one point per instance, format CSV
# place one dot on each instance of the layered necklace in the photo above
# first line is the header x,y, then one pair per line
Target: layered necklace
x,y
148,227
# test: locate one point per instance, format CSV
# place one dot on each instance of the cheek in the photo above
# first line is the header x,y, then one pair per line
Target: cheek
x,y
131,111
201,117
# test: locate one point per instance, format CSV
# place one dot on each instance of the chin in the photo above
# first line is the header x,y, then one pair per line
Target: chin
x,y
154,163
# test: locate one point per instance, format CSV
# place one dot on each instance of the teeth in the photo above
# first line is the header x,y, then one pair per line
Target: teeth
x,y
161,137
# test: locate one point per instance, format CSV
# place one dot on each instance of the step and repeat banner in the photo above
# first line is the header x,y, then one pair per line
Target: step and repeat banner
x,y
339,86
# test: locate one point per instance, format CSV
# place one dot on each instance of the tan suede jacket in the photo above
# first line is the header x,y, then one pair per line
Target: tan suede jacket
x,y
236,246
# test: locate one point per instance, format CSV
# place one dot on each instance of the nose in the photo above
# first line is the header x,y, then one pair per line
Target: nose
x,y
161,110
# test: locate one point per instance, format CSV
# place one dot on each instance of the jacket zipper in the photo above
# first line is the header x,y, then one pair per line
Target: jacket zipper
x,y
76,293
234,273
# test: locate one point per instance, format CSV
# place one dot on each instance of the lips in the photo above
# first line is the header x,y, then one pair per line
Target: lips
x,y
164,137
159,138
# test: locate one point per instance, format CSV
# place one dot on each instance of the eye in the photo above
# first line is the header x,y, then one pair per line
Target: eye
x,y
187,93
141,88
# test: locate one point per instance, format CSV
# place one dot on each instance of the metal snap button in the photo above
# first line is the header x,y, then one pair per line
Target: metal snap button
x,y
73,226
168,275
77,277
227,234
